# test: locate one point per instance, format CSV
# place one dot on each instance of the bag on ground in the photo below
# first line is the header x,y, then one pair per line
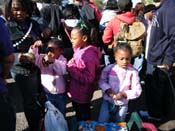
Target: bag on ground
x,y
54,119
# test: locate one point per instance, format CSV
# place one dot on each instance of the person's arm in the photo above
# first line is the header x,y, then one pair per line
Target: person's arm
x,y
169,30
104,81
6,65
163,37
108,34
85,72
135,89
83,75
105,86
34,48
59,65
6,50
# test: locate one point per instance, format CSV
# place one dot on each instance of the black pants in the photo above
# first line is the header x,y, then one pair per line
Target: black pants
x,y
83,111
28,86
7,114
160,94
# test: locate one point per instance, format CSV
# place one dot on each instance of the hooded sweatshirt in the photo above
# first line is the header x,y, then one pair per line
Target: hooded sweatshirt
x,y
113,26
84,70
161,48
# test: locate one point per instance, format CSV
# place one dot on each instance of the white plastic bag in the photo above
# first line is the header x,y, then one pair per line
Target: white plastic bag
x,y
54,119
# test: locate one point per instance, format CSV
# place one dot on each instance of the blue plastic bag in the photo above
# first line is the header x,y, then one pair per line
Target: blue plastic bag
x,y
54,119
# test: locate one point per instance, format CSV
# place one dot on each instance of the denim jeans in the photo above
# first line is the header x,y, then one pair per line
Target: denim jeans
x,y
138,62
7,114
118,111
59,101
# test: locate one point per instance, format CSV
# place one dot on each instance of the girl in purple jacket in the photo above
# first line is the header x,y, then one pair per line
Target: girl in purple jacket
x,y
83,68
119,83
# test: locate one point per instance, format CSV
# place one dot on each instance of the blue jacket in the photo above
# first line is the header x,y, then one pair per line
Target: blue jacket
x,y
162,39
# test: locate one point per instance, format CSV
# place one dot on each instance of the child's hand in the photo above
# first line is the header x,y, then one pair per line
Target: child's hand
x,y
49,59
119,96
71,61
37,44
109,92
124,95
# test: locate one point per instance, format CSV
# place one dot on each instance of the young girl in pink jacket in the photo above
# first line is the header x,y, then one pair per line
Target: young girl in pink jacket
x,y
83,68
53,67
119,83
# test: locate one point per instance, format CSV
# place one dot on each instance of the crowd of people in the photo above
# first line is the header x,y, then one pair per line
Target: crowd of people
x,y
67,50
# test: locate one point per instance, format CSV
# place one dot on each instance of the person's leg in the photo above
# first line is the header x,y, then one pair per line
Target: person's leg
x,y
7,114
28,86
83,111
153,92
168,94
121,113
157,86
104,112
33,117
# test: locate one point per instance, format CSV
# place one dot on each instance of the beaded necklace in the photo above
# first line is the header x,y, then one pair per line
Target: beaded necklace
x,y
24,37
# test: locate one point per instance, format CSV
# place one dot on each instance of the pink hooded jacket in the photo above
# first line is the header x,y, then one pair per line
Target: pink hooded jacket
x,y
113,26
84,70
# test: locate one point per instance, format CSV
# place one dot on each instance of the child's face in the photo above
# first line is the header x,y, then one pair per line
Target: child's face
x,y
53,51
123,58
77,39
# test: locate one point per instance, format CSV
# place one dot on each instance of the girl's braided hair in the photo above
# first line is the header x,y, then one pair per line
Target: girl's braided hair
x,y
123,46
84,30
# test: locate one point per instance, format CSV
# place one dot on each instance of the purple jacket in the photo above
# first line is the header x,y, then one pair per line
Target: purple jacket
x,y
84,70
120,80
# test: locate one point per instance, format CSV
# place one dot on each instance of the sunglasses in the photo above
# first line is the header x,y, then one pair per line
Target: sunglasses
x,y
50,49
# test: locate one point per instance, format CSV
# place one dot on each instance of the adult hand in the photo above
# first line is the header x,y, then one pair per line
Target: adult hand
x,y
46,33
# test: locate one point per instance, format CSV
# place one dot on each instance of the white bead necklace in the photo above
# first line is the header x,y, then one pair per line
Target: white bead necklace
x,y
24,37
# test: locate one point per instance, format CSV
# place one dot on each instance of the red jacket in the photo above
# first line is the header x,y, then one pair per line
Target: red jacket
x,y
113,26
97,12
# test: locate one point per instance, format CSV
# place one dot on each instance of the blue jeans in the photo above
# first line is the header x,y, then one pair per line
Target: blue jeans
x,y
118,111
138,62
59,101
